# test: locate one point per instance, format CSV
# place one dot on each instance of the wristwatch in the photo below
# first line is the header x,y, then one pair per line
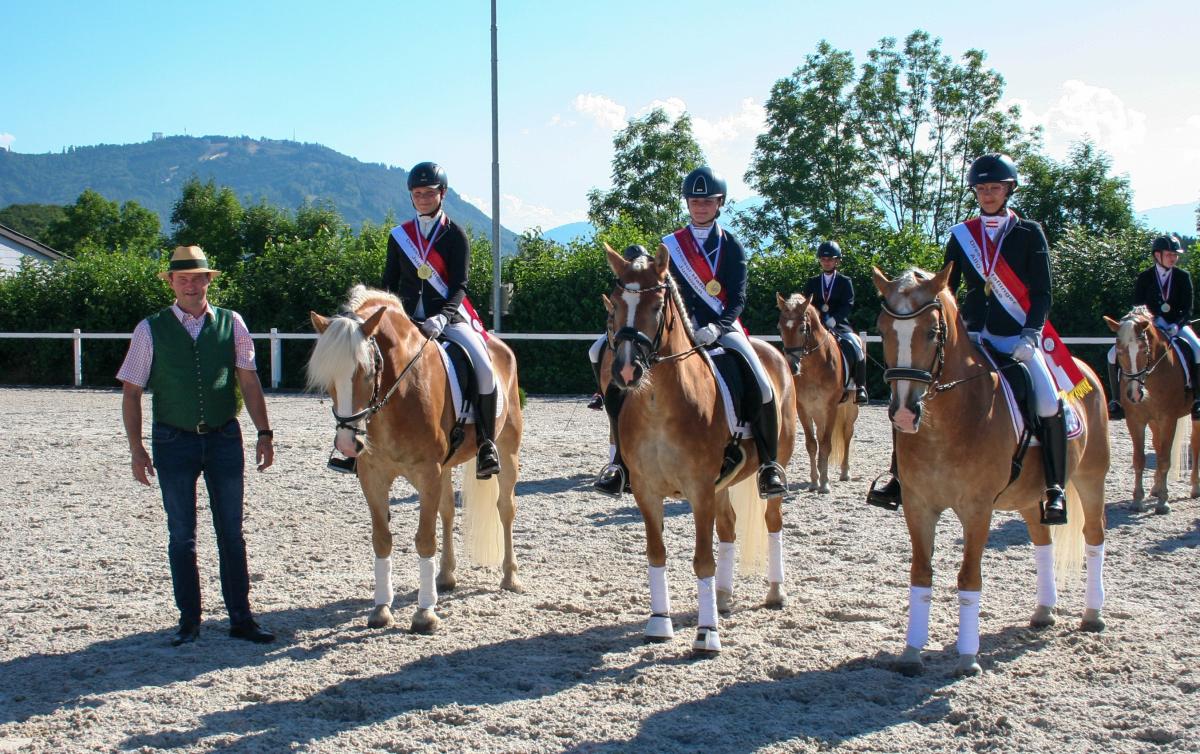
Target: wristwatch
x,y
266,433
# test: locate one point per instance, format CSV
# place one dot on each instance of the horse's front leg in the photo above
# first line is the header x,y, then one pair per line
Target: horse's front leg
x,y
708,640
446,580
1162,432
776,593
428,481
976,522
658,627
922,523
1137,437
376,486
1043,560
825,446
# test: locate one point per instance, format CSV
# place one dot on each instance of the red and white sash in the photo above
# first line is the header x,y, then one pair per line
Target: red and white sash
x,y
697,272
1011,293
411,242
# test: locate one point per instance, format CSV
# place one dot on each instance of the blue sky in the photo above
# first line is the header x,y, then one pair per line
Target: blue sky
x,y
401,82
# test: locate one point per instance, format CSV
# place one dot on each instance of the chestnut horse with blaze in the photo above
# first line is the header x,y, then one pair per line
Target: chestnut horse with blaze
x,y
379,369
1152,393
954,448
826,413
673,432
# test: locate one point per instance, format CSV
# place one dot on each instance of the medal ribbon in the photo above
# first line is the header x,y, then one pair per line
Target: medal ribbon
x,y
1165,292
406,235
827,290
695,268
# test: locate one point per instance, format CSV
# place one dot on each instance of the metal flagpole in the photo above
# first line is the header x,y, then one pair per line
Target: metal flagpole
x,y
495,185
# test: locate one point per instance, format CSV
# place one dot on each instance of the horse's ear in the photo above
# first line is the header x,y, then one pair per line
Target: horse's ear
x,y
319,323
780,301
662,260
882,282
372,324
1112,323
941,279
616,262
607,303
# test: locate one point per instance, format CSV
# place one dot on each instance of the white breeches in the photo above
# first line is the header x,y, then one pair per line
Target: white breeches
x,y
1045,393
464,335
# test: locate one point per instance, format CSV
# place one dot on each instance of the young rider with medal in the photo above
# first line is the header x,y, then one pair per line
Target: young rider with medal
x,y
709,267
428,261
1166,290
833,294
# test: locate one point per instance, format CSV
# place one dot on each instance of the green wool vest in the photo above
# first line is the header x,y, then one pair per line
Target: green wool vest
x,y
193,381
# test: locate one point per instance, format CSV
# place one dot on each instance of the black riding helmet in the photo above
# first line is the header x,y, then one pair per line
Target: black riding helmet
x,y
703,182
427,174
1167,243
633,252
830,250
993,168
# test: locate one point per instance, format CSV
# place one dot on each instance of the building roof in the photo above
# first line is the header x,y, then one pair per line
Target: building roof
x,y
33,245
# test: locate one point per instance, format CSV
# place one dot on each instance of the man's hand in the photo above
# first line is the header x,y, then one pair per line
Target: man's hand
x,y
143,469
264,453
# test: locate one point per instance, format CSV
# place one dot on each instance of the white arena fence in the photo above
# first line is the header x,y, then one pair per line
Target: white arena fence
x,y
276,339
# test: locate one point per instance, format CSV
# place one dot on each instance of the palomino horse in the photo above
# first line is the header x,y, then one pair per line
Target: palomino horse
x,y
954,447
1151,392
826,414
379,368
672,431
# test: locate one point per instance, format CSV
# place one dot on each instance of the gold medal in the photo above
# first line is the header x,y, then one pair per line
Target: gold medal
x,y
824,307
987,289
1166,307
425,271
713,288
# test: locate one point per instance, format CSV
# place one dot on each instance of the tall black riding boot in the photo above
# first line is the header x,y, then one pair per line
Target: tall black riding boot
x,y
597,401
487,461
860,382
1115,411
1195,390
614,479
1054,458
771,481
887,496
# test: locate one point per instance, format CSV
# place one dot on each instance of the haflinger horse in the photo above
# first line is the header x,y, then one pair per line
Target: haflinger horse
x,y
955,445
379,369
826,413
1152,393
673,431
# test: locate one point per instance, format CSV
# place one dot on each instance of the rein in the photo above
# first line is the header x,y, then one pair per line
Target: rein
x,y
375,405
794,354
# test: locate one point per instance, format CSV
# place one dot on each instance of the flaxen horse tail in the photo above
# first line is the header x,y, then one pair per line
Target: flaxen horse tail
x,y
843,427
483,533
750,526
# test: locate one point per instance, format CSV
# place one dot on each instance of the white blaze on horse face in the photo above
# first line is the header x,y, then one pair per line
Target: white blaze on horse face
x,y
904,329
631,298
343,439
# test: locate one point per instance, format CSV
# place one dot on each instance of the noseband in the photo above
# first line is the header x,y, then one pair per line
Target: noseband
x,y
645,350
794,354
892,374
376,404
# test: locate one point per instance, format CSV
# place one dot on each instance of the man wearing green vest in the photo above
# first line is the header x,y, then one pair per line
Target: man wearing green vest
x,y
194,357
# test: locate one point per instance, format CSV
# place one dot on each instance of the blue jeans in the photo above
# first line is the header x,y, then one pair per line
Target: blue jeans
x,y
180,457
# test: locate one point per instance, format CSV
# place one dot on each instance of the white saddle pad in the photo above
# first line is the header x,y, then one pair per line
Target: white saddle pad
x,y
736,428
1074,424
468,410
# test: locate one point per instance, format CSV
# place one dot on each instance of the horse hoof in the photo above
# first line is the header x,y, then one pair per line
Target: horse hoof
x,y
776,596
659,628
967,666
1043,617
1195,492
425,621
707,642
1092,622
446,583
909,663
845,477
1163,507
1137,506
724,602
824,489
381,617
511,583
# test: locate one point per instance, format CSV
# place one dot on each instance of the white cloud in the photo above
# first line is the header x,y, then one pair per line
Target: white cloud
x,y
672,106
1192,122
749,120
518,215
6,140
603,110
1083,110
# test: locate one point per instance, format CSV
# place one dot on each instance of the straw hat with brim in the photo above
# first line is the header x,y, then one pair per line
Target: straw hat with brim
x,y
188,259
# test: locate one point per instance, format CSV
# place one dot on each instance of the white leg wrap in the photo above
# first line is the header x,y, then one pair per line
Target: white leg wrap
x,y
426,592
660,595
919,598
1043,558
706,603
968,623
1094,557
775,557
383,581
725,562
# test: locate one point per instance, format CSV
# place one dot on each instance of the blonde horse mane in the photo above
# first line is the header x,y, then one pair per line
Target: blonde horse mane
x,y
342,350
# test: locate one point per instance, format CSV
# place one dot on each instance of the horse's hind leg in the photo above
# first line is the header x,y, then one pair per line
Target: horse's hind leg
x,y
1162,432
376,487
446,580
726,551
1043,559
1137,436
509,467
776,593
824,446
